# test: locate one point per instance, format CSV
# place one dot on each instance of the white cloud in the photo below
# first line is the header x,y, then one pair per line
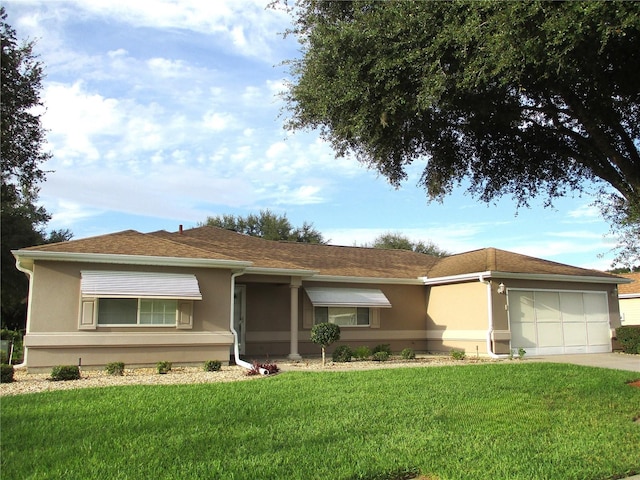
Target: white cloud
x,y
217,121
74,117
168,68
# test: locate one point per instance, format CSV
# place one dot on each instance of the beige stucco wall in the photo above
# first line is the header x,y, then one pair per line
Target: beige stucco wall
x,y
54,337
268,319
458,317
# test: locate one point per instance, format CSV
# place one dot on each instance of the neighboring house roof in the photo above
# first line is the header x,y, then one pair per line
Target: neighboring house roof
x,y
211,244
630,290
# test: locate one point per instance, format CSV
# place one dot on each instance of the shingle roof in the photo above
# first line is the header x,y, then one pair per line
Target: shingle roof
x,y
630,288
218,244
128,242
325,259
495,260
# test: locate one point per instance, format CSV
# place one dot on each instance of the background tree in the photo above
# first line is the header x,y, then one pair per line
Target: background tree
x,y
398,241
267,225
517,98
21,155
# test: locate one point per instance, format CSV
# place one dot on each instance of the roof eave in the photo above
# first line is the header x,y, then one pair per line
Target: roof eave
x,y
371,280
291,272
548,277
118,259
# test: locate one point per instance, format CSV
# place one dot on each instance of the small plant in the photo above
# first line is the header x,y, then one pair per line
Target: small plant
x,y
521,353
65,372
458,354
342,354
381,356
271,368
115,368
362,353
6,373
384,347
163,367
212,366
408,354
324,334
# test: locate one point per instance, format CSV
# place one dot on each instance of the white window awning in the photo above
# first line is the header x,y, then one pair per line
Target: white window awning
x,y
176,286
347,297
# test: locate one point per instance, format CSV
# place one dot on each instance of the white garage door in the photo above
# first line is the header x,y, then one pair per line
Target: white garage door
x,y
545,322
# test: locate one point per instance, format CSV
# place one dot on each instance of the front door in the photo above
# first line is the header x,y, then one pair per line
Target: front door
x,y
239,317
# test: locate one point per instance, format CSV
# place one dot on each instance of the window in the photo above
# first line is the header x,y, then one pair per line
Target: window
x,y
133,311
342,316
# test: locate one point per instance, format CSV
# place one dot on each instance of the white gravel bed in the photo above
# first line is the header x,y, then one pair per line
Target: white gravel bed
x,y
39,382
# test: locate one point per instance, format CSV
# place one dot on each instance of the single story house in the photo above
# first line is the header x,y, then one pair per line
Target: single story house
x,y
199,294
629,295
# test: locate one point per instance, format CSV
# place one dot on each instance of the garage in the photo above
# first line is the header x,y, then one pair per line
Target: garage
x,y
548,322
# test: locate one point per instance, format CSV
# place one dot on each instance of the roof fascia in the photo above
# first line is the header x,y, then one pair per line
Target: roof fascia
x,y
372,280
465,277
562,278
624,296
289,272
129,259
548,277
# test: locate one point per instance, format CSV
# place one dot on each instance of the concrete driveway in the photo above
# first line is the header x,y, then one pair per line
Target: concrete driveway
x,y
619,361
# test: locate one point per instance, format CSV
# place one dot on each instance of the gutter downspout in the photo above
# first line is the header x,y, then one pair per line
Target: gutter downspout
x,y
490,316
236,348
29,273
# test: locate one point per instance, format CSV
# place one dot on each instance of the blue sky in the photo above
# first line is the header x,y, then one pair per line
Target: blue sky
x,y
164,112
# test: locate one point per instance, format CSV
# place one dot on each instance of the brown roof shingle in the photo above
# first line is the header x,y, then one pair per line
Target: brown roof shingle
x,y
219,244
630,288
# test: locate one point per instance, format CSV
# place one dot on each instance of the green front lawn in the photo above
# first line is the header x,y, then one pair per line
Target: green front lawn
x,y
492,421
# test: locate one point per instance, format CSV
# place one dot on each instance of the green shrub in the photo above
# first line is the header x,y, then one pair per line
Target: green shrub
x,y
458,354
163,367
408,354
6,373
324,334
381,356
362,353
115,368
65,372
385,347
342,354
212,366
629,338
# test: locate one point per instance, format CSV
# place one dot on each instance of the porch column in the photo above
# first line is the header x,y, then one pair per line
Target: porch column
x,y
293,349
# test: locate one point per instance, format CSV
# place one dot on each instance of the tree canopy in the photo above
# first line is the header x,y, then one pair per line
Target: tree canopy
x,y
267,225
515,98
398,241
21,153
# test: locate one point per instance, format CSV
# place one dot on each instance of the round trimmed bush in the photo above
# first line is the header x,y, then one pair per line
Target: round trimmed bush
x,y
381,356
408,354
212,366
342,354
6,373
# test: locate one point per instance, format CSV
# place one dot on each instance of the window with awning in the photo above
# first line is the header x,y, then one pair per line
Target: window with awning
x,y
347,307
347,297
104,284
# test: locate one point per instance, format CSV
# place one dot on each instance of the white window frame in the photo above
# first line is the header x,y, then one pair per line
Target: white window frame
x,y
329,307
139,312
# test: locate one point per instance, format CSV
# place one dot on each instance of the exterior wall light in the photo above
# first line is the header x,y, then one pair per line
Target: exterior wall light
x,y
502,289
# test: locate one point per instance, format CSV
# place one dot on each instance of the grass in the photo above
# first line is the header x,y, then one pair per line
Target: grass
x,y
499,421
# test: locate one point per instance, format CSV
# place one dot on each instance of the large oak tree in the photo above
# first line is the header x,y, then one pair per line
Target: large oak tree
x,y
517,98
22,154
